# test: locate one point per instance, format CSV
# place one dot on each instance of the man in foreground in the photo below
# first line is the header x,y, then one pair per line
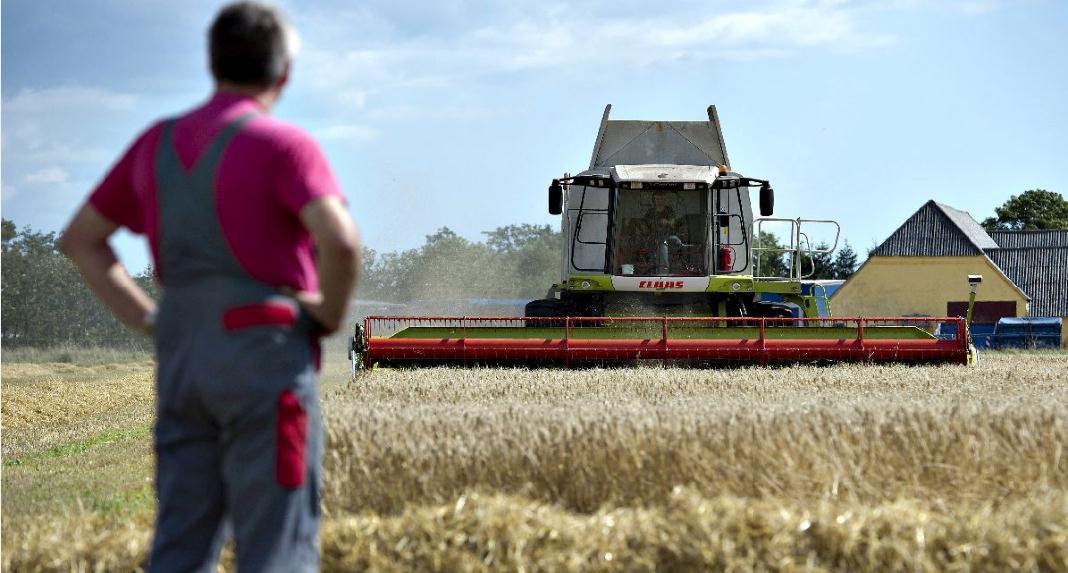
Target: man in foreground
x,y
257,257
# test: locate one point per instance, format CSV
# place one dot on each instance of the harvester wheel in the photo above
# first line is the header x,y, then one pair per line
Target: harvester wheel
x,y
546,308
357,349
583,305
771,310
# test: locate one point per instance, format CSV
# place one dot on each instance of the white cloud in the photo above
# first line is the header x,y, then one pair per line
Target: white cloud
x,y
978,7
358,55
68,98
966,7
8,192
49,175
57,141
446,112
347,133
46,127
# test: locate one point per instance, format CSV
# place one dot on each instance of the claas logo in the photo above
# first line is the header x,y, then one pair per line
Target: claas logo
x,y
660,284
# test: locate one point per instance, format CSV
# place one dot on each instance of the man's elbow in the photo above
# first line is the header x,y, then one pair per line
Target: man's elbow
x,y
76,246
67,244
86,233
343,247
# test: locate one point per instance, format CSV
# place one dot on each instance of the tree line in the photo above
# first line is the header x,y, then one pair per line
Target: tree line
x,y
513,262
46,303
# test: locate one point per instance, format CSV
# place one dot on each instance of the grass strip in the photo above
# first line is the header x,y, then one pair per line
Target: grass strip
x,y
81,446
77,355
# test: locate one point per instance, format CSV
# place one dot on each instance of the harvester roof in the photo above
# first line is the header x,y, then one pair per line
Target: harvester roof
x,y
630,142
665,173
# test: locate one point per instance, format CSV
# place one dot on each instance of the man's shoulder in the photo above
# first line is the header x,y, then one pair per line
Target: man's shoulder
x,y
147,140
279,134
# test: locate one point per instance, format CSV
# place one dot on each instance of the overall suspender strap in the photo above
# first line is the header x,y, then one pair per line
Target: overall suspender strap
x,y
192,244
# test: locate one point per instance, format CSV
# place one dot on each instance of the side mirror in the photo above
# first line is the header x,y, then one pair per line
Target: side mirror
x,y
767,200
556,198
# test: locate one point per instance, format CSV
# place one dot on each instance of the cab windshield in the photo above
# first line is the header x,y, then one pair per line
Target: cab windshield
x,y
660,233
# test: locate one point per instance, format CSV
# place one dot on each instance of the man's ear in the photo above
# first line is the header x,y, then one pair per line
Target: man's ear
x,y
284,78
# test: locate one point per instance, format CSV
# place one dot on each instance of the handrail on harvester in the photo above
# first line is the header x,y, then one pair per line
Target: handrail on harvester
x,y
492,339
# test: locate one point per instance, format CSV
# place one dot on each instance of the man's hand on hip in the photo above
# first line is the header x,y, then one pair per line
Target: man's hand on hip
x,y
85,241
312,303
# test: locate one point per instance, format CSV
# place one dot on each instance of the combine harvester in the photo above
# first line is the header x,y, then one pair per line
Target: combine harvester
x,y
659,263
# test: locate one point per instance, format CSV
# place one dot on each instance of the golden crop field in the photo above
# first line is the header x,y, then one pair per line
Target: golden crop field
x,y
844,468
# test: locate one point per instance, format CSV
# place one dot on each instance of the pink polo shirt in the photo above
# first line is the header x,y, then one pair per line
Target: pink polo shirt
x,y
268,173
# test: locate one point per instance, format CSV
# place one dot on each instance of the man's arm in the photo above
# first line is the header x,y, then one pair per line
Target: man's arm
x,y
85,241
339,254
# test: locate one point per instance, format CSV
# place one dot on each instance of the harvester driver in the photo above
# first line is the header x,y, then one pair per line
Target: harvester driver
x,y
661,220
257,256
658,228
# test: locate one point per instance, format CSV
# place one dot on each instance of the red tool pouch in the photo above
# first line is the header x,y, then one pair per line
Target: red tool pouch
x,y
290,441
261,314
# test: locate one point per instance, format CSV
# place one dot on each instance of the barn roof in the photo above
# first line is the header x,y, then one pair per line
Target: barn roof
x,y
1035,261
1030,238
937,230
1039,271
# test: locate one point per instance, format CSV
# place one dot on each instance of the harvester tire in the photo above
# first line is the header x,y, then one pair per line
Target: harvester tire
x,y
357,349
771,310
546,308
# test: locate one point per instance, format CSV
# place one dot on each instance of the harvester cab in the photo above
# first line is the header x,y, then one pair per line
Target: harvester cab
x,y
658,224
663,259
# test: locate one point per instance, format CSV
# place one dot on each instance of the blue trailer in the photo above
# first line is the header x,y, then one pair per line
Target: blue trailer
x,y
1028,332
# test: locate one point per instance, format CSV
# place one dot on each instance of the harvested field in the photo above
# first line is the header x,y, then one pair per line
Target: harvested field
x,y
841,468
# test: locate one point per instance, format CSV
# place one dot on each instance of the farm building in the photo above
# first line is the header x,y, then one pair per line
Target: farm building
x,y
922,268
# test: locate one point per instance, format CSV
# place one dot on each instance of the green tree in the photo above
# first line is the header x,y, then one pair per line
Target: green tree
x,y
380,276
1032,209
845,262
513,238
9,232
46,303
527,258
772,263
453,268
515,261
821,265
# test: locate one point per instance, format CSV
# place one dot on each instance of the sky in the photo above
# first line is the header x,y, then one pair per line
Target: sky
x,y
459,113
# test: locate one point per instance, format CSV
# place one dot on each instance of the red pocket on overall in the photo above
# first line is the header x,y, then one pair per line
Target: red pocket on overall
x,y
259,314
290,441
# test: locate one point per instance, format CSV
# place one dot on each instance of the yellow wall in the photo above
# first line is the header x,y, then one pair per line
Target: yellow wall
x,y
920,286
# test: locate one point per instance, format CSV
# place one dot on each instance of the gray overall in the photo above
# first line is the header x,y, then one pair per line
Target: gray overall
x,y
238,434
